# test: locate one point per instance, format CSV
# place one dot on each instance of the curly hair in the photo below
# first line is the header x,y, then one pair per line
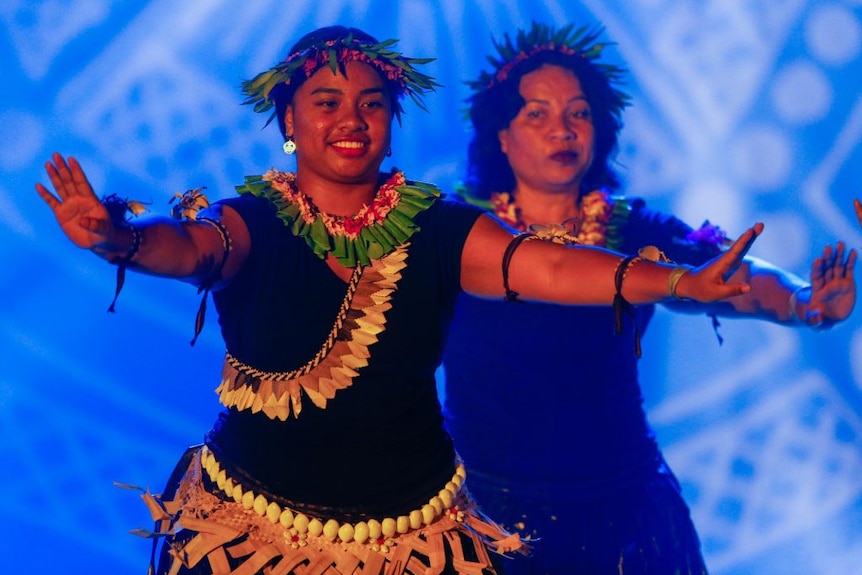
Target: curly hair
x,y
494,108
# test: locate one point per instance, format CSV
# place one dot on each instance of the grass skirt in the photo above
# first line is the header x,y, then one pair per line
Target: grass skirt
x,y
203,531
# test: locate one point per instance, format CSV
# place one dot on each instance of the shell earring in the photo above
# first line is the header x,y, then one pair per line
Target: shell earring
x,y
289,146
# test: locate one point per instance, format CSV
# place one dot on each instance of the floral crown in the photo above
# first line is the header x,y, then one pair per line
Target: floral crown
x,y
336,53
543,38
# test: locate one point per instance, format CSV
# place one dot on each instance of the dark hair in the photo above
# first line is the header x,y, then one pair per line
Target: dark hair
x,y
494,108
282,94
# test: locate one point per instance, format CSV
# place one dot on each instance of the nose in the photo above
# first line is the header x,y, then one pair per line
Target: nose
x,y
561,130
352,119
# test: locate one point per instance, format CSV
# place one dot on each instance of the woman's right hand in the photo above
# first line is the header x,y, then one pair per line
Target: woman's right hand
x,y
81,215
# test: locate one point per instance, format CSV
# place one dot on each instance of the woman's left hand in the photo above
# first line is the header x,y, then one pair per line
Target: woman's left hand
x,y
833,287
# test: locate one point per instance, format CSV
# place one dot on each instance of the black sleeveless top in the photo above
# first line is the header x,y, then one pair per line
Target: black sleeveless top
x,y
379,444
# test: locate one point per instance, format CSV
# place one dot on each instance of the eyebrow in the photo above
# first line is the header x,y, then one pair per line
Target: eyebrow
x,y
571,100
325,90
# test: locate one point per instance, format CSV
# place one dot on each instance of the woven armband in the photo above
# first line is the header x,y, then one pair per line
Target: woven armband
x,y
117,209
512,295
205,286
621,304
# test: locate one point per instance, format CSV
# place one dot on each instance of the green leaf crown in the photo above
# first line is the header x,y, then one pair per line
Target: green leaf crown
x,y
543,38
393,66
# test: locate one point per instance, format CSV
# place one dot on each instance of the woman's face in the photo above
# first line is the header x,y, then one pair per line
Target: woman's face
x,y
549,144
341,124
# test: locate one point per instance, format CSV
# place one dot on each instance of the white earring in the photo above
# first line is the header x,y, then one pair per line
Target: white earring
x,y
289,147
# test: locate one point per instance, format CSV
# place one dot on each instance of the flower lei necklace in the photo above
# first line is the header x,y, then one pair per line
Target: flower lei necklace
x,y
370,234
591,228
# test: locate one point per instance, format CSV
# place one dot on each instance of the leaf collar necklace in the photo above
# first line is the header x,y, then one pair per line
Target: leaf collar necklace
x,y
373,232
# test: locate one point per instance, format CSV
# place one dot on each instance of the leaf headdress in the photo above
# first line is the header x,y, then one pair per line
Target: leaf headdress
x,y
541,38
301,64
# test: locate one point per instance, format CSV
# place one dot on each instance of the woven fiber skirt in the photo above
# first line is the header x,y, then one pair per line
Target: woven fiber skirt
x,y
211,524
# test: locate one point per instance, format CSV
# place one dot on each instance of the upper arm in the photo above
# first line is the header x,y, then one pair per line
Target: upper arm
x,y
239,241
482,256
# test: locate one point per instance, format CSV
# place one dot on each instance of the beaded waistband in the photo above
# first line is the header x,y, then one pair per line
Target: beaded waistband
x,y
361,532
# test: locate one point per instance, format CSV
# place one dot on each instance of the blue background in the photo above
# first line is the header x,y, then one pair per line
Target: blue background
x,y
743,112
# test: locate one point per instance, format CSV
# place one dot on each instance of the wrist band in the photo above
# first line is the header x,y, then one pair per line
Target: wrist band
x,y
821,325
673,281
792,301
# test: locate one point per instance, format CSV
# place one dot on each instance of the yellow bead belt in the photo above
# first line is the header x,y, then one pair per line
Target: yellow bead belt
x,y
370,531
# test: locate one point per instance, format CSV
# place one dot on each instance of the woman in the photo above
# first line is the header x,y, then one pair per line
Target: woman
x,y
544,401
334,286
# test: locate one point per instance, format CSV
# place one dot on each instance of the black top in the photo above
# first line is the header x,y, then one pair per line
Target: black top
x,y
378,445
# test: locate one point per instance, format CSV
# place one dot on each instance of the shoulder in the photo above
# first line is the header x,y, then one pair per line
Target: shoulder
x,y
450,211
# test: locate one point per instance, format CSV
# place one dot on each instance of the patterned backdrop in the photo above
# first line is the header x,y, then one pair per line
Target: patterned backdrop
x,y
743,111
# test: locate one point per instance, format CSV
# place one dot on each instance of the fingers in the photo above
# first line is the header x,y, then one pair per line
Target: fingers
x,y
47,196
78,177
67,178
744,242
828,264
834,265
95,225
817,267
838,265
857,205
740,247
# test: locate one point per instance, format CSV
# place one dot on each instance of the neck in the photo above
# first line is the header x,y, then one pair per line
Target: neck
x,y
337,198
540,207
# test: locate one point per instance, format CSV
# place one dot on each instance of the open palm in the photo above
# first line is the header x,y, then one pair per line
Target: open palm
x,y
833,286
80,213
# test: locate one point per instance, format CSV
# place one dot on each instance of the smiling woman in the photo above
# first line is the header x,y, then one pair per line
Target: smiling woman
x,y
334,287
342,133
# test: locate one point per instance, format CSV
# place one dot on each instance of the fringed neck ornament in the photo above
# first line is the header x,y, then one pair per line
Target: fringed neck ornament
x,y
372,233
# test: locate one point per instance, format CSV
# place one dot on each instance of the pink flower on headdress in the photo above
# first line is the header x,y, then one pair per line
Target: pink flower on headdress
x,y
310,65
503,72
391,72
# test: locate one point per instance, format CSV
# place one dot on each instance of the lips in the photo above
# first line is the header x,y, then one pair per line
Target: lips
x,y
350,147
565,157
